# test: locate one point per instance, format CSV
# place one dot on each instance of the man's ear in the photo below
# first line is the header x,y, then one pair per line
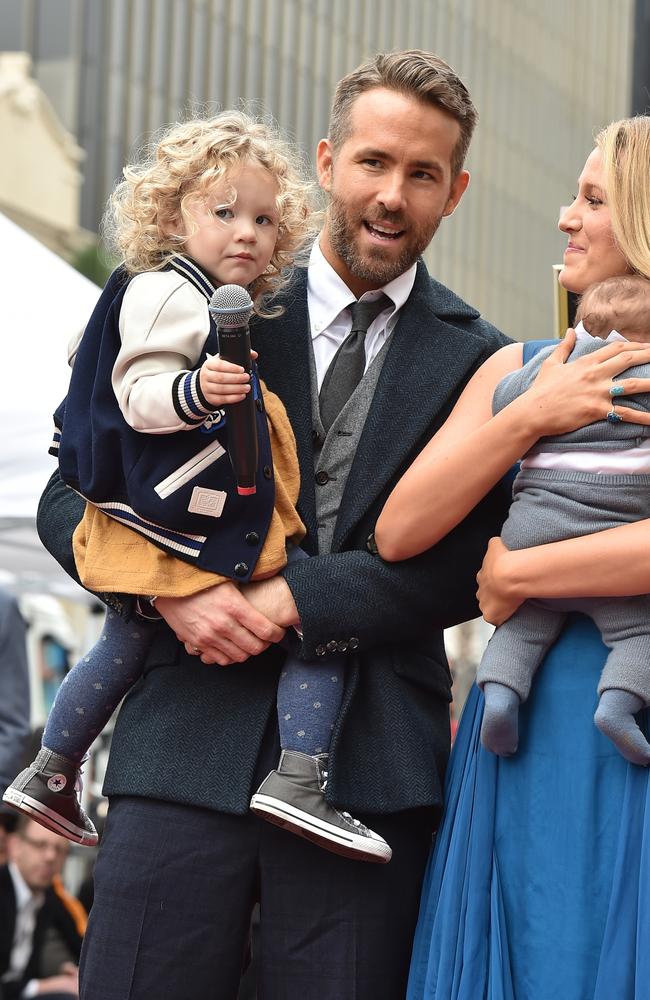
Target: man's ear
x,y
324,161
458,189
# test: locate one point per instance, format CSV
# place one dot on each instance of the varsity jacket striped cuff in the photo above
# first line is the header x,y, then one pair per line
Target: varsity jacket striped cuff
x,y
189,402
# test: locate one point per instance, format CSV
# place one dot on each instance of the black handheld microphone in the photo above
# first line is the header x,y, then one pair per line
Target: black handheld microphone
x,y
231,308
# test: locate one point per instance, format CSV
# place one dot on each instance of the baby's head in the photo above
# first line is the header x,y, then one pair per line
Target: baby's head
x,y
621,304
227,191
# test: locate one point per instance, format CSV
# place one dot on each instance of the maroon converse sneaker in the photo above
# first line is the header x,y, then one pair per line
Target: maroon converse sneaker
x,y
48,792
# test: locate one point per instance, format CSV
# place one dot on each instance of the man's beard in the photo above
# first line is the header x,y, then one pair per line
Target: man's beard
x,y
373,264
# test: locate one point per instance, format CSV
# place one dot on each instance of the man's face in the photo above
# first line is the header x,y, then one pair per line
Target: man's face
x,y
390,184
38,854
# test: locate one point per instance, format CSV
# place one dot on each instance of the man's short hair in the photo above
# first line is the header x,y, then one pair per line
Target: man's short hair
x,y
414,73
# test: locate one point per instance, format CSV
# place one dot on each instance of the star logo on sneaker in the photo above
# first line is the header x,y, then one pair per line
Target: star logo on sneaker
x,y
57,782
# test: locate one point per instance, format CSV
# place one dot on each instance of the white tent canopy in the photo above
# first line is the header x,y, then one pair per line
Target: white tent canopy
x,y
44,303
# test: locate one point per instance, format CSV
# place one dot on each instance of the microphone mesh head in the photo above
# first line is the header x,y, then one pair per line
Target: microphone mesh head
x,y
231,306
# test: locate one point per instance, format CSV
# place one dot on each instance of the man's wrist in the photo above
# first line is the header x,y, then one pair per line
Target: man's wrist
x,y
288,609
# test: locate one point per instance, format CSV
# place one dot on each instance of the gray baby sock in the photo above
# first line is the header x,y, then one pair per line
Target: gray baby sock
x,y
500,728
615,719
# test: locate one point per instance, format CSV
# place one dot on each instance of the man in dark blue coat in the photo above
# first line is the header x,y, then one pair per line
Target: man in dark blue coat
x,y
182,860
14,689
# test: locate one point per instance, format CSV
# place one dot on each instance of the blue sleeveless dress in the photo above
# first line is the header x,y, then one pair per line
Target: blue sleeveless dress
x,y
538,884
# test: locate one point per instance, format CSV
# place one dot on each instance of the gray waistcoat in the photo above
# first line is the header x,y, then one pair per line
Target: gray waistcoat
x,y
333,460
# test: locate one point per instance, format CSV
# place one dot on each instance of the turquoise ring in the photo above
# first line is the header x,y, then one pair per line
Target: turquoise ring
x,y
613,417
616,390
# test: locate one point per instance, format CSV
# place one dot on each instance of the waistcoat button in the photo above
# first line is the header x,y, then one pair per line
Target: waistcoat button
x,y
322,477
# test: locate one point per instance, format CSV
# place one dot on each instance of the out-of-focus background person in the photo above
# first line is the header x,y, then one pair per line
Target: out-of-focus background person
x,y
41,925
14,691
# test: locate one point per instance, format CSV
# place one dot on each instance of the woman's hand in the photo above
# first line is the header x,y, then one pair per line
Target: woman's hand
x,y
565,396
497,598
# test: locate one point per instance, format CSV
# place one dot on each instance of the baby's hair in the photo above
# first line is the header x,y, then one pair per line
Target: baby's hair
x,y
621,303
184,163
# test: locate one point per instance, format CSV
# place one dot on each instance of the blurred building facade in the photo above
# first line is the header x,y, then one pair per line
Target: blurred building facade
x,y
40,175
544,78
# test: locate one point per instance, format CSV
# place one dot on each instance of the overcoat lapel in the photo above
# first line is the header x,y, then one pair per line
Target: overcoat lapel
x,y
284,345
427,360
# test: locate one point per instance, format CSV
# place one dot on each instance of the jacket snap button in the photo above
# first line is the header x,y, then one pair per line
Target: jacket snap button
x,y
268,472
241,569
252,538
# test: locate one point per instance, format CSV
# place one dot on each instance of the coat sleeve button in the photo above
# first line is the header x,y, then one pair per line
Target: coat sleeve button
x,y
371,544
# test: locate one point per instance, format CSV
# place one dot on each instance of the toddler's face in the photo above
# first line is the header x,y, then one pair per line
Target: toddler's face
x,y
234,243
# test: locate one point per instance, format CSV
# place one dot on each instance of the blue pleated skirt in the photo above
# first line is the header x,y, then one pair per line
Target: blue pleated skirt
x,y
539,884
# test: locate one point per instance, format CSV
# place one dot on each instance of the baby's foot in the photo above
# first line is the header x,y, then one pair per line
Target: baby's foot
x,y
500,729
615,718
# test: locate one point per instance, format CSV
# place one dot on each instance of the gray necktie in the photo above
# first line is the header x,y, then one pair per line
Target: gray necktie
x,y
349,363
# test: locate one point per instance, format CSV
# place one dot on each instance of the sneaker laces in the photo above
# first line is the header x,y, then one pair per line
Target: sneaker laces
x,y
345,816
79,785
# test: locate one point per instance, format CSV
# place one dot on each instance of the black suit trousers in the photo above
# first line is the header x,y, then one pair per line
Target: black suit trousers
x,y
174,890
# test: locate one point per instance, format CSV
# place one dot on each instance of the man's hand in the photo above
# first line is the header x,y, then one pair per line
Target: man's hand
x,y
497,598
220,623
273,599
66,982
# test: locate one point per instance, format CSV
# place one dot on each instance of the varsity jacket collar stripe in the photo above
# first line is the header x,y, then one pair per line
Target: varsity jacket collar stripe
x,y
190,270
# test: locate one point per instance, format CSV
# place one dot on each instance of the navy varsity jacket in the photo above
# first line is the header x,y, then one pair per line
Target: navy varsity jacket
x,y
176,489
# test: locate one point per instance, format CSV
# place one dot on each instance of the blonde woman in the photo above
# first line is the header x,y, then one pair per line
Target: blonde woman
x,y
534,889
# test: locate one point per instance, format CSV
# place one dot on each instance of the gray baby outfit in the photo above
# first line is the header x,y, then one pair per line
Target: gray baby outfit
x,y
551,505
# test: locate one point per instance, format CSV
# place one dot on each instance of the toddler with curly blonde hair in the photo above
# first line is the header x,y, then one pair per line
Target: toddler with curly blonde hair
x,y
143,433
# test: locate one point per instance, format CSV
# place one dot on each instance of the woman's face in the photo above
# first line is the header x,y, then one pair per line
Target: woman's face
x,y
592,253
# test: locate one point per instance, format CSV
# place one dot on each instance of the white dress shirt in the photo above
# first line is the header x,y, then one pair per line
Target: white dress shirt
x,y
28,904
329,300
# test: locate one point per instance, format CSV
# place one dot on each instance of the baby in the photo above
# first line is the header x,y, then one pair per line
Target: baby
x,y
576,484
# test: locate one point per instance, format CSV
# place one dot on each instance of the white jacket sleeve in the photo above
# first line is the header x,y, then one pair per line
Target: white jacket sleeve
x,y
164,322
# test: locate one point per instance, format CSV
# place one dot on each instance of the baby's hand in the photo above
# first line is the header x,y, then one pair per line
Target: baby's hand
x,y
222,382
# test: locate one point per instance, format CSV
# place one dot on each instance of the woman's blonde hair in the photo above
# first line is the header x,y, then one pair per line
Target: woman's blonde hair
x,y
184,163
625,148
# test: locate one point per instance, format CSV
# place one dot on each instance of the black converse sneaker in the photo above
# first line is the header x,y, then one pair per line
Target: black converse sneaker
x,y
292,797
48,792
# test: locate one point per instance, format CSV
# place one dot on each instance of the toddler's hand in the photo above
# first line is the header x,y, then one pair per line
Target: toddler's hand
x,y
222,382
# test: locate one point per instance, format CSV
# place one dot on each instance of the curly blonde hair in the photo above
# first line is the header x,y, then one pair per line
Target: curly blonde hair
x,y
186,161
